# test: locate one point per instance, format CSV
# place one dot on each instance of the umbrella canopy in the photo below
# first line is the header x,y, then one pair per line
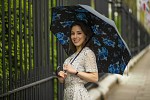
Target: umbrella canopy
x,y
110,49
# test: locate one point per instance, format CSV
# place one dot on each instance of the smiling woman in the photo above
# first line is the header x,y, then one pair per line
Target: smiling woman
x,y
109,52
84,67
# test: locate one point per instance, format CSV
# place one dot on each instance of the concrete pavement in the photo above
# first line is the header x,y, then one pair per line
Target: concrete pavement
x,y
135,86
109,87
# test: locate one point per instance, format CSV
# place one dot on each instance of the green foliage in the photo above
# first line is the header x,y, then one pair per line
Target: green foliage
x,y
16,40
16,36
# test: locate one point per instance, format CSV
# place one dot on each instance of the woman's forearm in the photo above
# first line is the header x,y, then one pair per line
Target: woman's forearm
x,y
89,77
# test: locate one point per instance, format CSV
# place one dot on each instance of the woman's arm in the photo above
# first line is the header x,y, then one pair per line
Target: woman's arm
x,y
87,76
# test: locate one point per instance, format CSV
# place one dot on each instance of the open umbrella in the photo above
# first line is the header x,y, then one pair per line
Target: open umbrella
x,y
110,49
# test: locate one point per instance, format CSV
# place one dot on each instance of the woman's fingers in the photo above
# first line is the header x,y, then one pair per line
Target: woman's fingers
x,y
65,67
69,69
62,74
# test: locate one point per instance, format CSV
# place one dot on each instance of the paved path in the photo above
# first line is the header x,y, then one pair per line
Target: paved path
x,y
136,86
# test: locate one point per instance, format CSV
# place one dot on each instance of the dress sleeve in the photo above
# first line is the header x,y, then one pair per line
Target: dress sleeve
x,y
90,61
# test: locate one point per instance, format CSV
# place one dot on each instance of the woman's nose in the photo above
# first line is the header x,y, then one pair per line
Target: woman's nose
x,y
75,35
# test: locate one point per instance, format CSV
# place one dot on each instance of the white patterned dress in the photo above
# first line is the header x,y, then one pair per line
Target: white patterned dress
x,y
74,86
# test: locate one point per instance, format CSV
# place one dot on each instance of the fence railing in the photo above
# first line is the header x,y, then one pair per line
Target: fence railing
x,y
31,85
27,53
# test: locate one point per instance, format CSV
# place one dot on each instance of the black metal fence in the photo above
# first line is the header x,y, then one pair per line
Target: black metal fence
x,y
29,53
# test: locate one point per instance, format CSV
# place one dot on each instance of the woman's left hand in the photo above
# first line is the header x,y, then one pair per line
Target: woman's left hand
x,y
69,69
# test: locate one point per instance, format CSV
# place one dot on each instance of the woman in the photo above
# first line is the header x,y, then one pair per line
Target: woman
x,y
84,67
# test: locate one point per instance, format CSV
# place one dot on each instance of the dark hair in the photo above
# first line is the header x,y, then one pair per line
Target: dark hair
x,y
86,30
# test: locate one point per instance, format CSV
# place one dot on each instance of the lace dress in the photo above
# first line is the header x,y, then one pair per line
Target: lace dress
x,y
74,86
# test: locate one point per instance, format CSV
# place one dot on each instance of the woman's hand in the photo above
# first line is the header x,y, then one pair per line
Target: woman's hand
x,y
61,76
69,69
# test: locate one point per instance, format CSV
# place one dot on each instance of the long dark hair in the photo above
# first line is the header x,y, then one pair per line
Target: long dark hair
x,y
86,30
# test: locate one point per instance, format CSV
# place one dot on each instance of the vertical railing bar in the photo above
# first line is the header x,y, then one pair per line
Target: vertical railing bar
x,y
20,38
52,52
20,45
29,93
52,47
48,50
130,44
58,84
39,47
35,31
35,39
29,40
33,96
37,92
1,80
15,44
46,36
58,64
25,42
43,89
7,89
42,44
44,40
134,35
24,72
3,48
32,93
10,50
26,47
38,39
30,46
46,91
136,32
42,67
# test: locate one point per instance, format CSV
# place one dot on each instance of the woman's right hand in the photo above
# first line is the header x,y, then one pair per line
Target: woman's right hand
x,y
61,76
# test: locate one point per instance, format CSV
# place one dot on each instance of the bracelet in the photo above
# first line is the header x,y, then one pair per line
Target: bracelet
x,y
76,73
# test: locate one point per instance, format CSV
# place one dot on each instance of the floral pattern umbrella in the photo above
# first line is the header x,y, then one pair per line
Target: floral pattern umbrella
x,y
110,49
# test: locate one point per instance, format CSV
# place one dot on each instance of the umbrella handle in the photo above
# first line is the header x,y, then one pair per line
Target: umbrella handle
x,y
57,70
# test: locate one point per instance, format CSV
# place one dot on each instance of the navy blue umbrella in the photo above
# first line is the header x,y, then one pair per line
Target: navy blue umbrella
x,y
110,49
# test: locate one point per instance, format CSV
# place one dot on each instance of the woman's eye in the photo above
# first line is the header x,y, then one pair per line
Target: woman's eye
x,y
72,33
79,33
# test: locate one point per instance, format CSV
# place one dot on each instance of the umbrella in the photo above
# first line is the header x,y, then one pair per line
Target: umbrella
x,y
110,49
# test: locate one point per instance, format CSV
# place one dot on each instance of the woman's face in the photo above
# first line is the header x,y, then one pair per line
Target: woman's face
x,y
77,36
